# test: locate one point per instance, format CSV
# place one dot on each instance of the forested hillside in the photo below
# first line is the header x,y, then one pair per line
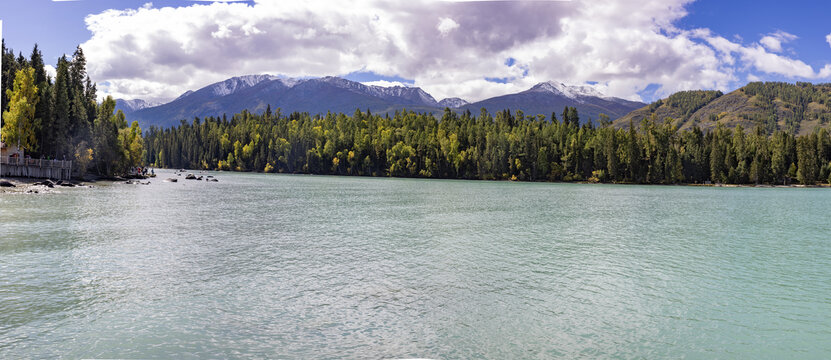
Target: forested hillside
x,y
503,146
60,118
794,108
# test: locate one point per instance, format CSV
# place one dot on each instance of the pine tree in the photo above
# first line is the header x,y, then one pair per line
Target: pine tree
x,y
58,130
43,104
10,67
807,171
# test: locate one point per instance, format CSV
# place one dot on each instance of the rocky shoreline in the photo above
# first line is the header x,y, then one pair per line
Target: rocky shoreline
x,y
16,185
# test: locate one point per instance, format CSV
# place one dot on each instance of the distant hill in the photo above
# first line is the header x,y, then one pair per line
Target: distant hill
x,y
545,98
318,96
796,108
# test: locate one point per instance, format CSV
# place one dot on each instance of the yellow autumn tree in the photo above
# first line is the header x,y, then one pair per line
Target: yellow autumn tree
x,y
19,123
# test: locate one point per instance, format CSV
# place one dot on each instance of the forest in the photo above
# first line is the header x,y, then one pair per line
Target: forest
x,y
795,97
503,146
61,119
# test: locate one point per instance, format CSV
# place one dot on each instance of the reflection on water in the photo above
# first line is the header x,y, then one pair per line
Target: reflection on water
x,y
321,267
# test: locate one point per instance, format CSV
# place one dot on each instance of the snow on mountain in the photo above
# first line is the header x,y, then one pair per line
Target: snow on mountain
x,y
412,94
400,92
129,106
238,83
574,92
183,95
453,103
333,94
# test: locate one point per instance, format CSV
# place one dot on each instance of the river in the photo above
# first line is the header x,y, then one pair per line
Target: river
x,y
294,266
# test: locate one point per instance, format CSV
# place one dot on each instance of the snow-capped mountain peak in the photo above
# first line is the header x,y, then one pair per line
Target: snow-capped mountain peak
x,y
238,83
453,103
570,91
129,106
413,94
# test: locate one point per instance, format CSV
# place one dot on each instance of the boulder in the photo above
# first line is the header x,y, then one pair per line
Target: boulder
x,y
170,180
214,180
190,177
5,183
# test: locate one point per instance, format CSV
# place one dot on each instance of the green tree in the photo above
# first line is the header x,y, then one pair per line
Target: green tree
x,y
808,168
20,125
108,150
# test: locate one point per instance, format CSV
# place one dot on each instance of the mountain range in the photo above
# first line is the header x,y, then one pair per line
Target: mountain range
x,y
333,94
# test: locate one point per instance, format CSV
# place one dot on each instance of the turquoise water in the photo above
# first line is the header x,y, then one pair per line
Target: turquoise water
x,y
287,266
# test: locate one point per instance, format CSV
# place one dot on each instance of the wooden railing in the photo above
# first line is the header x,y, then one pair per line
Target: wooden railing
x,y
37,168
41,163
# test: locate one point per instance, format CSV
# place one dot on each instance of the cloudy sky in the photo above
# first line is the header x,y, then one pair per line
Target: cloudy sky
x,y
635,49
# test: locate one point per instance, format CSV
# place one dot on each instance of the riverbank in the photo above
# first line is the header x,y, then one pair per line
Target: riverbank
x,y
22,185
519,181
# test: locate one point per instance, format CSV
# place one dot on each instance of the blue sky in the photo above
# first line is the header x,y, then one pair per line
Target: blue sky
x,y
752,19
57,26
635,49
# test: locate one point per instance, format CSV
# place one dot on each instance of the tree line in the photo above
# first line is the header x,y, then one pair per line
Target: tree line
x,y
61,119
687,102
505,145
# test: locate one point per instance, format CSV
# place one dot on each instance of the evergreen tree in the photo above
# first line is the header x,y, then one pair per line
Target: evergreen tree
x,y
59,128
807,171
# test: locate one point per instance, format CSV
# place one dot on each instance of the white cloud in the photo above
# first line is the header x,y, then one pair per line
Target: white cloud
x,y
775,64
50,71
774,41
384,83
828,39
771,43
446,25
825,72
759,58
447,48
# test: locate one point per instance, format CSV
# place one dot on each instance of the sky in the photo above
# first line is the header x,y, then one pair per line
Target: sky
x,y
633,49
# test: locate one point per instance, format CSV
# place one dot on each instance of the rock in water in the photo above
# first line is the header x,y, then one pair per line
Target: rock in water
x,y
190,177
5,183
170,180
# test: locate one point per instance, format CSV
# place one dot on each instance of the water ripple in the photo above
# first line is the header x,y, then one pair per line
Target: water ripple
x,y
275,266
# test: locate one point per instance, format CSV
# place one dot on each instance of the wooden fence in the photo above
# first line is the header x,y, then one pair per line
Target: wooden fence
x,y
36,168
